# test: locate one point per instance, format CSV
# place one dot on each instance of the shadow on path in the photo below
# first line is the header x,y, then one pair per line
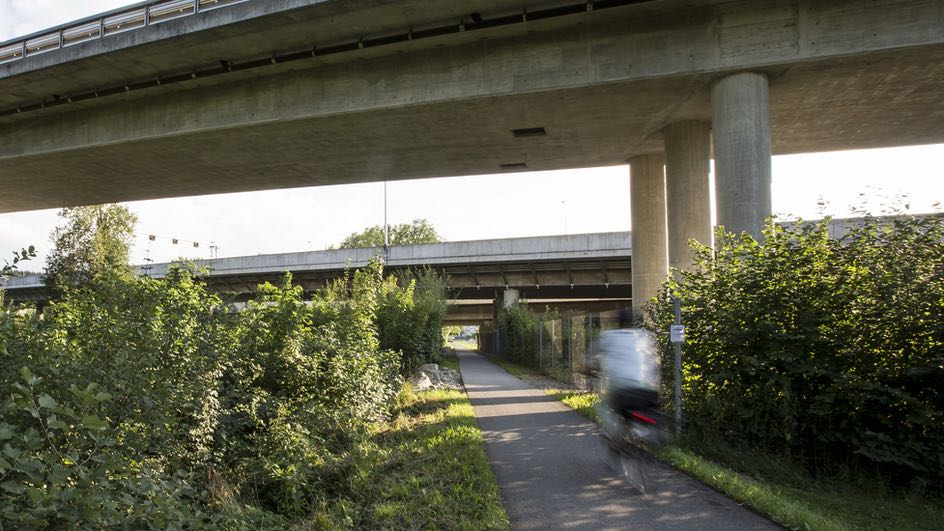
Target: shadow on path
x,y
554,472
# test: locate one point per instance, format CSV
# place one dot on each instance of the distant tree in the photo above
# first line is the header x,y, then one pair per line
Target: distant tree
x,y
449,332
90,241
419,231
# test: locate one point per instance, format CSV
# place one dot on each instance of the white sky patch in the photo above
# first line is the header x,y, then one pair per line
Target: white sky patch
x,y
22,17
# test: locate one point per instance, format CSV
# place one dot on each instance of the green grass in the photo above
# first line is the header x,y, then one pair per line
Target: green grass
x,y
429,469
450,361
463,344
581,401
511,367
776,487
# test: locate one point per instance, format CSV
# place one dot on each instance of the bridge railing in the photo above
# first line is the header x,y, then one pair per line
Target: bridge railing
x,y
110,23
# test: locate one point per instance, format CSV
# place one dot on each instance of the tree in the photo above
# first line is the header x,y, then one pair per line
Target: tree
x,y
91,240
418,231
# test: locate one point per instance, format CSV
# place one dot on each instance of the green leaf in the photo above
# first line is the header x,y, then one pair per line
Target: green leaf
x,y
11,452
13,486
6,432
103,397
93,422
47,401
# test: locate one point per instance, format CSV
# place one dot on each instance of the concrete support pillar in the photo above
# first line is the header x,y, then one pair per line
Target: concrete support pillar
x,y
741,114
688,203
647,214
510,298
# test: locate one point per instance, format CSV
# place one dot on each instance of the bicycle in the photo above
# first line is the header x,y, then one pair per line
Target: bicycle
x,y
632,435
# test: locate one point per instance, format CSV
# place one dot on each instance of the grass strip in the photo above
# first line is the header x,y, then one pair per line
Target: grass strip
x,y
781,491
429,468
462,344
512,368
450,361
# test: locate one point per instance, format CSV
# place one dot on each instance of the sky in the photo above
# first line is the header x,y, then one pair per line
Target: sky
x,y
461,208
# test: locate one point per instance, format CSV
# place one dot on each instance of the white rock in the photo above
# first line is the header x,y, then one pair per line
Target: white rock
x,y
421,382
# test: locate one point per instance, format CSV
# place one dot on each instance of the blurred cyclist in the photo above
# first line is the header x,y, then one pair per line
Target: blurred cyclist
x,y
630,373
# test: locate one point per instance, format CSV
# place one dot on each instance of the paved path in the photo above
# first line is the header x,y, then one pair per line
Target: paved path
x,y
552,467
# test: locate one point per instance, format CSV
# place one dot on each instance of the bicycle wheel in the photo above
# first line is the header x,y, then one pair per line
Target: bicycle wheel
x,y
635,465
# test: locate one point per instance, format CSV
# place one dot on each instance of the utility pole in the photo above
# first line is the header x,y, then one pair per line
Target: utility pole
x,y
386,231
564,205
677,337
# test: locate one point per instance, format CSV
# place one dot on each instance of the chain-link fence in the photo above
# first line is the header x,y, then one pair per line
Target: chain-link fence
x,y
560,346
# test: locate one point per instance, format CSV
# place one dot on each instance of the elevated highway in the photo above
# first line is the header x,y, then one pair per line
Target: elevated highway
x,y
260,94
178,97
582,271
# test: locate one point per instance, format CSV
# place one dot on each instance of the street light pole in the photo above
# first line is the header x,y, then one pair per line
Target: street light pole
x,y
386,232
564,205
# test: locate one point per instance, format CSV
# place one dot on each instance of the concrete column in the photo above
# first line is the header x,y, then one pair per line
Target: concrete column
x,y
741,109
647,214
510,298
688,203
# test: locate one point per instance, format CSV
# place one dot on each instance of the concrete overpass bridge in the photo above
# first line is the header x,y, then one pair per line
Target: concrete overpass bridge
x,y
587,272
173,98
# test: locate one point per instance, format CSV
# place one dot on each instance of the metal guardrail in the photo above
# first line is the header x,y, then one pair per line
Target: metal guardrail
x,y
110,23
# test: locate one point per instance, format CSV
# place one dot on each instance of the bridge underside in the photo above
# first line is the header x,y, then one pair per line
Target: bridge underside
x,y
476,312
601,85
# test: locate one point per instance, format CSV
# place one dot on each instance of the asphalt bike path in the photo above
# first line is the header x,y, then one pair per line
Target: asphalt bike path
x,y
555,471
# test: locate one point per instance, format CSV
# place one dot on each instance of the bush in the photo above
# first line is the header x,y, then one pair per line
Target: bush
x,y
410,317
829,351
61,468
518,325
151,403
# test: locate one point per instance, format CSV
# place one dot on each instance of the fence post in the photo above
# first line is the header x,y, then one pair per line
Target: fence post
x,y
520,346
588,351
678,370
541,345
570,349
553,353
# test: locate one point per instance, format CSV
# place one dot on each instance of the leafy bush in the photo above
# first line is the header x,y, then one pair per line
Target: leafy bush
x,y
60,467
161,406
410,317
518,325
830,351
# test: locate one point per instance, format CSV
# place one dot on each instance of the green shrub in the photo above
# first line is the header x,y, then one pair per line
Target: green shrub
x,y
159,345
410,316
518,325
308,381
163,407
830,351
60,467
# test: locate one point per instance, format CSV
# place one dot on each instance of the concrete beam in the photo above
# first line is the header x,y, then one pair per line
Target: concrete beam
x,y
741,110
460,312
